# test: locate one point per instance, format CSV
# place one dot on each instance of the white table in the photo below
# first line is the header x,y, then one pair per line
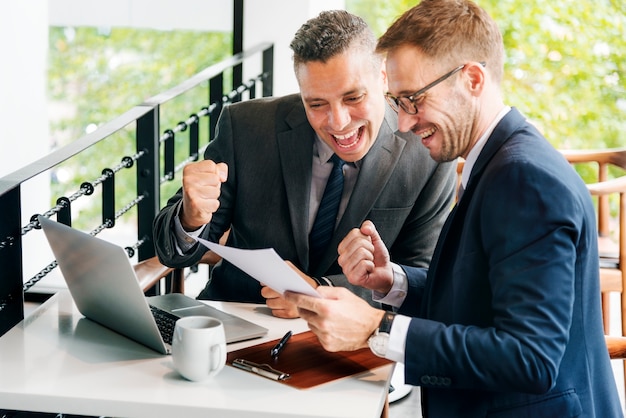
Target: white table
x,y
58,361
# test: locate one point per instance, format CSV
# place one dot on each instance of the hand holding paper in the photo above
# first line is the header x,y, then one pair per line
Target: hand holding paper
x,y
265,266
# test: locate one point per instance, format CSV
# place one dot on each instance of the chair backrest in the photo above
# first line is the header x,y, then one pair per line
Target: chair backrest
x,y
615,259
616,346
151,271
611,229
604,159
611,220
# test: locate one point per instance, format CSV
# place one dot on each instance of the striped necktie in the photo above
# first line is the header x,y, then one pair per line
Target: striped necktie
x,y
324,224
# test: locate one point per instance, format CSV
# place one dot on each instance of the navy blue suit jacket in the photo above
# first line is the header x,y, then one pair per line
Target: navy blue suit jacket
x,y
507,321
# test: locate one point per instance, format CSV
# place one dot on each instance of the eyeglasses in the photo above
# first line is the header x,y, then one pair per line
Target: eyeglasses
x,y
409,103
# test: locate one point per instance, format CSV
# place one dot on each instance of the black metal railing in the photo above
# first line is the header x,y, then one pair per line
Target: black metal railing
x,y
155,148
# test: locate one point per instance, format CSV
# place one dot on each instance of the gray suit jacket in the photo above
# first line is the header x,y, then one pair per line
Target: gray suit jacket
x,y
268,146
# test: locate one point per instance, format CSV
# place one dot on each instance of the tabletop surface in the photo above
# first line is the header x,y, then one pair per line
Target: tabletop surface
x,y
58,361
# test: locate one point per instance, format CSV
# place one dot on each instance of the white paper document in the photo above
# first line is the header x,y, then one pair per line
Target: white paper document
x,y
264,265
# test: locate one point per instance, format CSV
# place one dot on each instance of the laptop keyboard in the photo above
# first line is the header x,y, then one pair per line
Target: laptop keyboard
x,y
165,322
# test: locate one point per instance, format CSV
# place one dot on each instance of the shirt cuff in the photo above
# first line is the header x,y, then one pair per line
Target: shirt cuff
x,y
397,338
395,297
185,241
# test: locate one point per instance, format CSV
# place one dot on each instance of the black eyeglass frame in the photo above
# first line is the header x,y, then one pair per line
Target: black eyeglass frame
x,y
398,102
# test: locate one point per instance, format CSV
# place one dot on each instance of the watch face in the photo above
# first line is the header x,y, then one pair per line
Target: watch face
x,y
379,341
378,344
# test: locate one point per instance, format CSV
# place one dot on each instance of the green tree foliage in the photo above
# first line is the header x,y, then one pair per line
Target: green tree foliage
x,y
96,74
564,69
565,64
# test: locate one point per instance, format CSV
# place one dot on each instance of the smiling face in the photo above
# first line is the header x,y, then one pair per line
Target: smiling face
x,y
344,102
447,113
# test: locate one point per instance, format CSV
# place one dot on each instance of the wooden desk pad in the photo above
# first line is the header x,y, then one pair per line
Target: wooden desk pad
x,y
308,363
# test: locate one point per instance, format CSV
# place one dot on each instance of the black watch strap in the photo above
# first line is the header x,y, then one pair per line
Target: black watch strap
x,y
385,323
322,281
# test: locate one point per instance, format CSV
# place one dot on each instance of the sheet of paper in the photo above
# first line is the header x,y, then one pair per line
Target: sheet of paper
x,y
266,266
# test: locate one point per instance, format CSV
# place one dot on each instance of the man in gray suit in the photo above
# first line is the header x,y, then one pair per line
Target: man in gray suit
x,y
264,174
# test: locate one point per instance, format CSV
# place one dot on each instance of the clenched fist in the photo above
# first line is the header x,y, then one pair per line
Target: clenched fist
x,y
202,181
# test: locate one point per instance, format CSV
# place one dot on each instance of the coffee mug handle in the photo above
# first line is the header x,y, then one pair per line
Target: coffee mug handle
x,y
216,357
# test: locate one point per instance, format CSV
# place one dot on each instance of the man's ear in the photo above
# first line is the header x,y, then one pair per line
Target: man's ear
x,y
383,71
476,74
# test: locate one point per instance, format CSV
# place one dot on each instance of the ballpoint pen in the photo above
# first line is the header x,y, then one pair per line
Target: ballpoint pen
x,y
275,351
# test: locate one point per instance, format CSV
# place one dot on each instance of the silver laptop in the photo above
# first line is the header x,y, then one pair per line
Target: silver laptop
x,y
104,287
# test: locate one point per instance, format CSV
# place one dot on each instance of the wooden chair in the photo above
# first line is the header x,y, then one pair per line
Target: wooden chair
x,y
611,238
616,346
150,271
613,265
613,253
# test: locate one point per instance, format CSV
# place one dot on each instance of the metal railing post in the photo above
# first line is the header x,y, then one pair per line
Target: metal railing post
x,y
11,294
148,162
216,92
148,181
268,69
238,8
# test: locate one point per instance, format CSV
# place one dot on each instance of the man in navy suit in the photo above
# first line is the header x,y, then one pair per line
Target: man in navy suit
x,y
506,322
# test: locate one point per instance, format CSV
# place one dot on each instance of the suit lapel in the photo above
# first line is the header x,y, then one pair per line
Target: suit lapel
x,y
438,256
376,168
446,248
501,133
295,147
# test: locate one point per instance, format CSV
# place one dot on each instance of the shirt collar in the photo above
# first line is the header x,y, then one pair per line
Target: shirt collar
x,y
478,147
324,152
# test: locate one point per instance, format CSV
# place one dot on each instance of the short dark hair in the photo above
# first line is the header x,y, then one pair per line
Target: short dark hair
x,y
330,33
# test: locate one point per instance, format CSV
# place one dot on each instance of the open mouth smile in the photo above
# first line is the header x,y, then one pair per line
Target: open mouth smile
x,y
348,140
427,132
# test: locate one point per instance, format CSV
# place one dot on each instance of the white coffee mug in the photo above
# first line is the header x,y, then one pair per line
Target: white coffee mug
x,y
198,347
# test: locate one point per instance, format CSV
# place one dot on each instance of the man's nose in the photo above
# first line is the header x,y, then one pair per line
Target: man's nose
x,y
405,121
339,117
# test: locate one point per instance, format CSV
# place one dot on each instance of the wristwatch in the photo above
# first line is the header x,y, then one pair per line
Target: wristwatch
x,y
379,340
322,281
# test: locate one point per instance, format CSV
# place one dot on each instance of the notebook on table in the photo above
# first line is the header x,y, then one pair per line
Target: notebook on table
x,y
104,287
308,363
